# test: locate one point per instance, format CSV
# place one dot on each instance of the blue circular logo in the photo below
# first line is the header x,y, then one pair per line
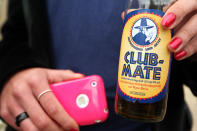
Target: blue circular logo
x,y
144,31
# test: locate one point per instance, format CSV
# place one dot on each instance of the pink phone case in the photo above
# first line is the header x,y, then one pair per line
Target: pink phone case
x,y
84,99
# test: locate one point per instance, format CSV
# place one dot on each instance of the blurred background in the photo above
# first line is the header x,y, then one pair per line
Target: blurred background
x,y
190,99
3,11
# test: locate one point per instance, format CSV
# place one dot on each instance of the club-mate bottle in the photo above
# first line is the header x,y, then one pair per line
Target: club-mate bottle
x,y
144,63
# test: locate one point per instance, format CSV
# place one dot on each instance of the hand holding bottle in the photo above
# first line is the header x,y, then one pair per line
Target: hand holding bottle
x,y
182,16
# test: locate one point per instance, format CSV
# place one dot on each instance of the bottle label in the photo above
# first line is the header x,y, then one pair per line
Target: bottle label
x,y
144,63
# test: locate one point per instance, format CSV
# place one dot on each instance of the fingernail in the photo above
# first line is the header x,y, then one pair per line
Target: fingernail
x,y
123,15
175,43
74,130
168,20
180,54
79,75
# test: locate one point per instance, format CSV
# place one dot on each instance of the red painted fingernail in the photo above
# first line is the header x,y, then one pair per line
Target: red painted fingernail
x,y
175,43
168,20
180,54
73,130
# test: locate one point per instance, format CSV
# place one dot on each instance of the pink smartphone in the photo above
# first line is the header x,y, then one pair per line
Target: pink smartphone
x,y
84,99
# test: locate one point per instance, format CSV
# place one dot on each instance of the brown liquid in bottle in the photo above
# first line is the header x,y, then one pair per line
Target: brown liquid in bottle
x,y
145,112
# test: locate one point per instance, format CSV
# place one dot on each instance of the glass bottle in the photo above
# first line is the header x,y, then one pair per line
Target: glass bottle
x,y
144,63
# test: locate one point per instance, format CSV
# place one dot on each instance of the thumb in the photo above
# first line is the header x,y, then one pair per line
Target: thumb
x,y
55,76
124,13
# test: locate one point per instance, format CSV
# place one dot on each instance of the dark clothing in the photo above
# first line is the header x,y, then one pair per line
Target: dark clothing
x,y
85,37
27,44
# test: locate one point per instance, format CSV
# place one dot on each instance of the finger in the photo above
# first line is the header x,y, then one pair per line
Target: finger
x,y
8,117
55,76
34,110
124,13
5,112
165,8
177,12
52,106
57,112
188,50
28,125
25,124
184,35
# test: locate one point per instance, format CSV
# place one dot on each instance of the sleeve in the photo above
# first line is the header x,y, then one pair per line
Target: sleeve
x,y
189,69
15,52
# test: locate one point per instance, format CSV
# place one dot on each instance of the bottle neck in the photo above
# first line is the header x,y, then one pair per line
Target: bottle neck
x,y
148,4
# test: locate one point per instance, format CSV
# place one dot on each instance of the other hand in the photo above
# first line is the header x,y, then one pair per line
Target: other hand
x,y
20,95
